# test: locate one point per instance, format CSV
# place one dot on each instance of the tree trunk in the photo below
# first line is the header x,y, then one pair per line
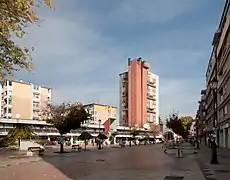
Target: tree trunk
x,y
61,144
19,143
85,144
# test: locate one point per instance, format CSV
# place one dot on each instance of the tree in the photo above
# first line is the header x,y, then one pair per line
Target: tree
x,y
154,129
186,121
135,132
21,132
15,16
175,124
65,117
168,135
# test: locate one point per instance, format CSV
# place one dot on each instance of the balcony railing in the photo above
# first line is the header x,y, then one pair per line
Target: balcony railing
x,y
151,110
152,97
150,83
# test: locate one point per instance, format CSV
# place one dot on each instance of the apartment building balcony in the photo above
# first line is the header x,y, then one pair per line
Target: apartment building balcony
x,y
7,115
151,83
125,93
151,110
36,100
6,96
124,107
223,78
151,97
36,108
125,79
5,105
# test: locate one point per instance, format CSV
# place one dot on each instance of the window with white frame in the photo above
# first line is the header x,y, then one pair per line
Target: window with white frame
x,y
36,87
35,105
148,103
36,96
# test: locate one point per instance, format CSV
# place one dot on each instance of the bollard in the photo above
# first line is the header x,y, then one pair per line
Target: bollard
x,y
179,153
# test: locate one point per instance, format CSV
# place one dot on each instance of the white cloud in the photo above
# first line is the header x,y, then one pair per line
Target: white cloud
x,y
82,64
132,11
179,95
74,59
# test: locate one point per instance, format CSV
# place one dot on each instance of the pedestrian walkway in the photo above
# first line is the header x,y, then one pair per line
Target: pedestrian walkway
x,y
187,166
10,158
210,171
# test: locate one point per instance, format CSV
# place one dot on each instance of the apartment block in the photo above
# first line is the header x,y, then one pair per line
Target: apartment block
x,y
211,74
23,100
201,114
106,113
139,95
223,73
219,68
153,98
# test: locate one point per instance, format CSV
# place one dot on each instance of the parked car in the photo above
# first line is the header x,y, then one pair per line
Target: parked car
x,y
159,141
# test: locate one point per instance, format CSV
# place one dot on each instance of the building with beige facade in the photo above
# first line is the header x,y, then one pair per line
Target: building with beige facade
x,y
219,69
139,95
105,113
23,100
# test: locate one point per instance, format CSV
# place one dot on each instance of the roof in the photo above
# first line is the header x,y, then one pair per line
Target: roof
x,y
125,72
27,83
98,104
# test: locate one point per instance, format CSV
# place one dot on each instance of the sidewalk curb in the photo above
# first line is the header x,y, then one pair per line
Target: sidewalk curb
x,y
208,172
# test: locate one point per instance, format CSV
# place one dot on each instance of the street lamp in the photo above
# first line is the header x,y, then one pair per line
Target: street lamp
x,y
99,145
213,85
130,136
17,126
197,132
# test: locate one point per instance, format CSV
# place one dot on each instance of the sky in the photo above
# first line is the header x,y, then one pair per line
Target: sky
x,y
82,46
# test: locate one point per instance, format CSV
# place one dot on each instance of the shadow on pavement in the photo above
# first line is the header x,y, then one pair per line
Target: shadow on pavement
x,y
98,163
136,162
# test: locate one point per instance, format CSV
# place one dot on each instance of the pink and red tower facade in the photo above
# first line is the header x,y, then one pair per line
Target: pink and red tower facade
x,y
139,95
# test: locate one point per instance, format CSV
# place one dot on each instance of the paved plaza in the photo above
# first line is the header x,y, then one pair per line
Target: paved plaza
x,y
135,163
214,172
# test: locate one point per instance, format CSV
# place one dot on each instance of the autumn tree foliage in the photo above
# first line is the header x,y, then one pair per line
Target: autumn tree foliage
x,y
176,125
186,121
65,117
135,132
15,16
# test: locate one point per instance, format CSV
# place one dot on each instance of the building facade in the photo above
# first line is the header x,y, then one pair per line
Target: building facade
x,y
23,100
139,95
222,46
107,114
219,69
201,116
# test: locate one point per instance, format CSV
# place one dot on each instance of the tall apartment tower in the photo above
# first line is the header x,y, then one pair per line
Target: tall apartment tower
x,y
23,100
139,95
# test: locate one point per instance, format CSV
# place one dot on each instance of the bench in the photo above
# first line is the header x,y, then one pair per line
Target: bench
x,y
36,149
76,146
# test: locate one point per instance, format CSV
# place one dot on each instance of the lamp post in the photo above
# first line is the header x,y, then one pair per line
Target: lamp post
x,y
197,133
99,145
17,126
214,158
130,136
